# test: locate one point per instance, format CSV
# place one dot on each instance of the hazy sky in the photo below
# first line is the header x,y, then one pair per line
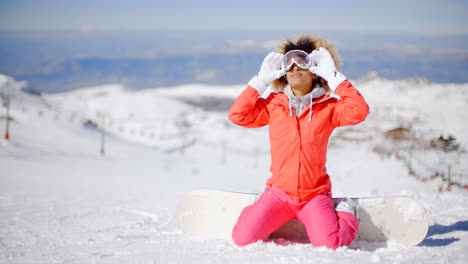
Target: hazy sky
x,y
405,16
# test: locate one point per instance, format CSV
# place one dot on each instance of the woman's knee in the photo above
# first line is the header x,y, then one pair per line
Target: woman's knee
x,y
242,238
344,236
333,241
258,221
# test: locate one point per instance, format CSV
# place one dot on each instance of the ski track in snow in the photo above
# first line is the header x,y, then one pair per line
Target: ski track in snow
x,y
61,202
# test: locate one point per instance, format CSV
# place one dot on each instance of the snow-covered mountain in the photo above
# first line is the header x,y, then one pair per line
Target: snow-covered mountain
x,y
62,201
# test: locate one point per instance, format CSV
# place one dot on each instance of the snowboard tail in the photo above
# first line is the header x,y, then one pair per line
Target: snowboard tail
x,y
213,214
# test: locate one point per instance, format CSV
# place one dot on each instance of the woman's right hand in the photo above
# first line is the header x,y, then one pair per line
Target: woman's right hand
x,y
269,71
271,67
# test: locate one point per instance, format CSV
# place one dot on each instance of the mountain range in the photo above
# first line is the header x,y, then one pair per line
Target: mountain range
x,y
57,62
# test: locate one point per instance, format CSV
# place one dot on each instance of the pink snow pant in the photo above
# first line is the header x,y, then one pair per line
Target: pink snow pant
x,y
325,226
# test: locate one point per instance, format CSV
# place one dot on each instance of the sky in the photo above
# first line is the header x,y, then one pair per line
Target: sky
x,y
430,17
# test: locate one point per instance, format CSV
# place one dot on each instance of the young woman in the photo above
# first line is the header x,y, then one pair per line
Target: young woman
x,y
311,99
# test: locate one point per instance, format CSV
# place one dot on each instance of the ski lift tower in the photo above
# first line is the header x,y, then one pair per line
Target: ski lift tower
x,y
6,97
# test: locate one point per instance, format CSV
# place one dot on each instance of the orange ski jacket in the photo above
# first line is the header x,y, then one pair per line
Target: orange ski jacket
x,y
299,145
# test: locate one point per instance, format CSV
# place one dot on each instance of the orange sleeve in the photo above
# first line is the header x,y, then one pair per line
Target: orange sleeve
x,y
249,110
352,108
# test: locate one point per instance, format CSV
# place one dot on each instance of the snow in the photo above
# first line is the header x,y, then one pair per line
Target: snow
x,y
62,202
410,212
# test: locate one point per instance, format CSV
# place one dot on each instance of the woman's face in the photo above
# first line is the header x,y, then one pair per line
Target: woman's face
x,y
298,77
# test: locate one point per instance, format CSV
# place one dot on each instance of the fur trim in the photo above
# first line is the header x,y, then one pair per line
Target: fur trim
x,y
307,43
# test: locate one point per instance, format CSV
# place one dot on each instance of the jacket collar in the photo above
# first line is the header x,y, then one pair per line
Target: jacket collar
x,y
318,95
316,100
315,93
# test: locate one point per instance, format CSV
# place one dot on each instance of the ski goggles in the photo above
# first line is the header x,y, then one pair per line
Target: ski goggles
x,y
299,57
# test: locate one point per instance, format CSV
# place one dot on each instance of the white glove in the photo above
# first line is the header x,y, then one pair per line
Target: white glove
x,y
324,66
270,71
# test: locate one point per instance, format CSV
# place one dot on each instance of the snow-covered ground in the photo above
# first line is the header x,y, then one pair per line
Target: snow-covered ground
x,y
63,202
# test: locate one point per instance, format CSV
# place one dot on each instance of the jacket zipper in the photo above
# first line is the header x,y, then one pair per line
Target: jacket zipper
x,y
299,156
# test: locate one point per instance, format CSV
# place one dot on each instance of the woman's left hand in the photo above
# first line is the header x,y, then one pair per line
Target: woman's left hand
x,y
324,66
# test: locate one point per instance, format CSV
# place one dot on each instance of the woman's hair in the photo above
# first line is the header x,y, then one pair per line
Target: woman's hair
x,y
306,43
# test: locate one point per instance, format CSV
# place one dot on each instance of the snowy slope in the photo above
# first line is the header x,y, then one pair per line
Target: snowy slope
x,y
61,201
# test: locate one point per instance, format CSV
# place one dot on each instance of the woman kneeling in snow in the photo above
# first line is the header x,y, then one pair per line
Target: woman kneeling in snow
x,y
311,99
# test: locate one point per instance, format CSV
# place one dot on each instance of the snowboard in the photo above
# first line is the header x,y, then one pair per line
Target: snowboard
x,y
212,213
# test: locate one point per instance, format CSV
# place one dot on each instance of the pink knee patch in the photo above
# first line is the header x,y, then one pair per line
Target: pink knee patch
x,y
260,219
